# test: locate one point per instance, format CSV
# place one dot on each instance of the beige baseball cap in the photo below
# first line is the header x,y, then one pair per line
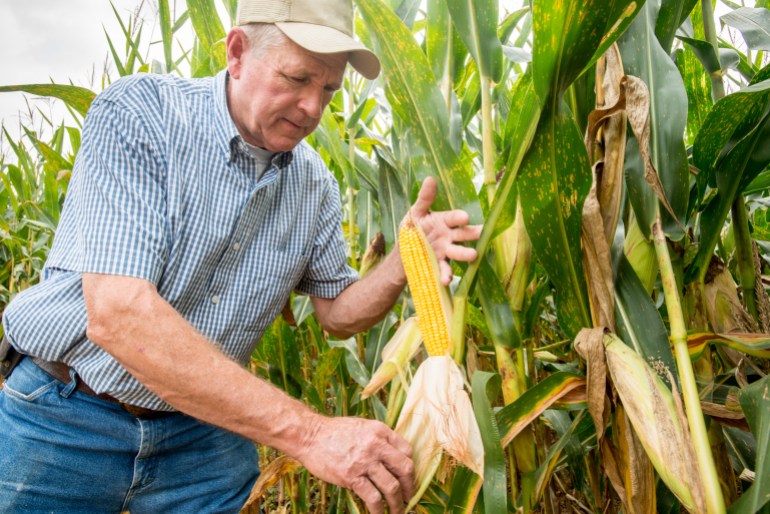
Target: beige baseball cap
x,y
321,26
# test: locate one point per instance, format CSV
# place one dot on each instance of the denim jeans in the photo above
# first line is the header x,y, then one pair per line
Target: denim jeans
x,y
64,451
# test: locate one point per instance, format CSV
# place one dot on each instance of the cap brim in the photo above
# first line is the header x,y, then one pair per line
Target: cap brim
x,y
325,40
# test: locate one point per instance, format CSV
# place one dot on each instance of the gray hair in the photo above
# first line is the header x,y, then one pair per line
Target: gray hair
x,y
263,37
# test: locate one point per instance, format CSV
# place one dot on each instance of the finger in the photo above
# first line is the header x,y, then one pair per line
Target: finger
x,y
399,443
455,218
446,272
461,253
402,468
466,233
425,198
365,490
389,487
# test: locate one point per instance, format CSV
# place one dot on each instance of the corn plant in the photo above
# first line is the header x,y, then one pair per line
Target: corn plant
x,y
612,335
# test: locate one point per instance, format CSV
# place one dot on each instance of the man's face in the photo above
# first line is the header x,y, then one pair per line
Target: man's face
x,y
277,98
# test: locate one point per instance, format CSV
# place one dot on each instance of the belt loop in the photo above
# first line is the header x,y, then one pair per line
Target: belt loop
x,y
73,383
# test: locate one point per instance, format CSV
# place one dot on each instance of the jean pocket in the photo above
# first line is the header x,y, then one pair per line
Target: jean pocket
x,y
28,382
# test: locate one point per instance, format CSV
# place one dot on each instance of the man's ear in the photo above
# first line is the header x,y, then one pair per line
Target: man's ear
x,y
237,46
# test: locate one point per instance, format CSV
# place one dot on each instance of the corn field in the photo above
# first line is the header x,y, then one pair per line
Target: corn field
x,y
613,335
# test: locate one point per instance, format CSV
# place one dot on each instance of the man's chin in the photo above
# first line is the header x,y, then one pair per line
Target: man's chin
x,y
284,144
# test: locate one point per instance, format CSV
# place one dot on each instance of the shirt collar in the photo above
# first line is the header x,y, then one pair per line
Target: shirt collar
x,y
229,138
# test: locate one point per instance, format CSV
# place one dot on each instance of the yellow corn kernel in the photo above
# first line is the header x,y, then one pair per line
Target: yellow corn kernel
x,y
431,299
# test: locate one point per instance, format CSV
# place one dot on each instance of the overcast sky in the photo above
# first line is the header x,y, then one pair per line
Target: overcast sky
x,y
42,40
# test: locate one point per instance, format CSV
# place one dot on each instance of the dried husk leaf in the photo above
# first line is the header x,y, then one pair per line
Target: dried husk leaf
x,y
589,344
723,307
396,355
437,415
610,134
597,263
658,421
762,299
373,255
273,472
639,476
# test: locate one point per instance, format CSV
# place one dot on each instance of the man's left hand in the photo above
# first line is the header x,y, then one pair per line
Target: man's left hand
x,y
444,229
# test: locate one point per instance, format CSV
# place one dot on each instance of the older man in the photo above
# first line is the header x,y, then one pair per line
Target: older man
x,y
194,210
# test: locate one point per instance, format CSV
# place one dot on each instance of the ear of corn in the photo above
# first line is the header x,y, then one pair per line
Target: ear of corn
x,y
431,299
437,414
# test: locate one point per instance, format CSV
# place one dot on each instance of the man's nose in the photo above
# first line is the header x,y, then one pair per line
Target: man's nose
x,y
312,104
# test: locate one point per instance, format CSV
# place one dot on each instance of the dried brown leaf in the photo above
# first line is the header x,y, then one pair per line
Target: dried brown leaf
x,y
639,473
638,111
273,472
597,264
589,345
607,129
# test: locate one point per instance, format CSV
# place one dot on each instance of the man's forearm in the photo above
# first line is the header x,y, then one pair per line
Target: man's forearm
x,y
365,302
158,347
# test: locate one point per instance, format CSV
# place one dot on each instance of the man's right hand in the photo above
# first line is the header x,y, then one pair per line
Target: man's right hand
x,y
365,456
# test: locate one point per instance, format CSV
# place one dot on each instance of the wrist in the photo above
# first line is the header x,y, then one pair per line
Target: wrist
x,y
309,429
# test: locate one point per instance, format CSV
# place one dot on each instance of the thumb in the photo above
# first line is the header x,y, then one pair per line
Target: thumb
x,y
425,197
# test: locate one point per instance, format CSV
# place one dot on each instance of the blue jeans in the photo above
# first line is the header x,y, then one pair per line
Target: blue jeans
x,y
64,451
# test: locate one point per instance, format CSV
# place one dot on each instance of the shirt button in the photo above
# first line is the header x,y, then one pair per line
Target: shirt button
x,y
215,299
236,246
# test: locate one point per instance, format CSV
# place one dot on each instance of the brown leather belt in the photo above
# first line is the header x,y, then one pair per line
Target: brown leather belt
x,y
61,372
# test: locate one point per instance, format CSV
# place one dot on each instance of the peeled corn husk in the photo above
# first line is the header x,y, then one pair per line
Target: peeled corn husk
x,y
437,415
395,357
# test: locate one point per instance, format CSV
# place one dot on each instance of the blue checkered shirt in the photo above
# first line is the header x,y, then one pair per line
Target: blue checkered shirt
x,y
165,190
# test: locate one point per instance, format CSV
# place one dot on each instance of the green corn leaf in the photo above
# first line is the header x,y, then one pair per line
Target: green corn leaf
x,y
643,57
209,29
497,310
759,184
485,386
570,35
115,57
705,53
639,324
231,6
356,368
79,98
328,134
520,128
755,403
512,418
393,199
761,75
730,150
476,22
416,100
278,349
167,37
698,85
553,182
672,14
465,491
754,24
